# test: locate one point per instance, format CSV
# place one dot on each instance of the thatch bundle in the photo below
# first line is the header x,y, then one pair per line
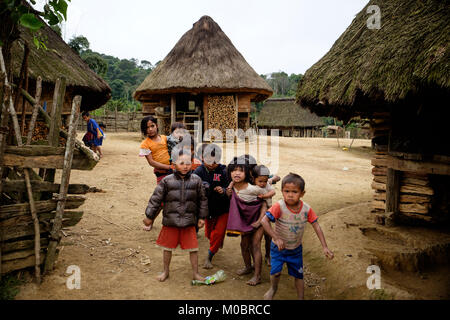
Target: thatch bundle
x,y
60,60
367,68
284,112
204,60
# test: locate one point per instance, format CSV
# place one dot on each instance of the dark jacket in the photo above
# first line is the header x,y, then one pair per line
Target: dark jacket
x,y
184,200
217,203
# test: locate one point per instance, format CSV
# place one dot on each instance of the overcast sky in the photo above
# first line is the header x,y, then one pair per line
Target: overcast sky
x,y
282,35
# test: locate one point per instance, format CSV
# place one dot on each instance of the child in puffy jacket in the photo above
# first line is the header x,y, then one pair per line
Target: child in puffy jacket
x,y
185,206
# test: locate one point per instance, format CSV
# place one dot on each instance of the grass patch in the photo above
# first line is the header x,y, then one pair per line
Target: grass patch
x,y
380,294
9,287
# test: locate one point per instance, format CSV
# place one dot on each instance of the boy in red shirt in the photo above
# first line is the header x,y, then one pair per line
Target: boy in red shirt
x,y
290,216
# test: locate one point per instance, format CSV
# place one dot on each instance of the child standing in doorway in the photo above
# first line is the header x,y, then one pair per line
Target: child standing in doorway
x,y
185,205
290,216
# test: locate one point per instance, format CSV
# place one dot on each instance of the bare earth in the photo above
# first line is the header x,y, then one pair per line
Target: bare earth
x,y
118,260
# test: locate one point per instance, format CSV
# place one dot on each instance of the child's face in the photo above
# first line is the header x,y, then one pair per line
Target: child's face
x,y
183,164
210,163
152,129
292,194
179,132
238,175
261,181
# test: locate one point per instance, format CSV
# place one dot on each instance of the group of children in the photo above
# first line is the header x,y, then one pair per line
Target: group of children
x,y
194,190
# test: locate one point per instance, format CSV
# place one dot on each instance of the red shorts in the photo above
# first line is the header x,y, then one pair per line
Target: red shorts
x,y
170,237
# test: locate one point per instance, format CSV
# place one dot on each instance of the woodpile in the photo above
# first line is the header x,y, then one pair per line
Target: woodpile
x,y
415,190
33,208
222,113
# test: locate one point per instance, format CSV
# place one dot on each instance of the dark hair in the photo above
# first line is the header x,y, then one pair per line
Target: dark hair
x,y
101,124
295,179
210,149
144,123
179,151
176,125
242,163
260,170
85,113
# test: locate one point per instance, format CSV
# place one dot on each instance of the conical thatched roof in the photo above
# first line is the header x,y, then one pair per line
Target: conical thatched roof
x,y
204,60
284,112
60,60
405,59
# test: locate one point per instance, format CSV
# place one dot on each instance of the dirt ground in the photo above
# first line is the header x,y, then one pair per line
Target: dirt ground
x,y
118,260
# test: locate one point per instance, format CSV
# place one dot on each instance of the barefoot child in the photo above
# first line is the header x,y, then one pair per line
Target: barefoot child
x,y
290,216
215,181
185,205
244,215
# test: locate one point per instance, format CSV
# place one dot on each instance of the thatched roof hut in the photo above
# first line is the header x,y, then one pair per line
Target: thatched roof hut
x,y
59,60
204,62
368,69
284,112
398,77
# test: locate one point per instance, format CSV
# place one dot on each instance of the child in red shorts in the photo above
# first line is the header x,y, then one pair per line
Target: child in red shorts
x,y
185,206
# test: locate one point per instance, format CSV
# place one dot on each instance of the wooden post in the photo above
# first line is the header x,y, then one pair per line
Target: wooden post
x,y
115,119
205,114
173,109
68,156
55,124
392,190
37,232
35,110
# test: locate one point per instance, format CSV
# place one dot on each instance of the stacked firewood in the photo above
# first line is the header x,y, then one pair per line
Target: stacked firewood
x,y
40,133
222,113
415,190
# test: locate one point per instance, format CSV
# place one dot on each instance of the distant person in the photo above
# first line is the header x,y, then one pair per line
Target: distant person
x,y
185,206
103,127
95,140
290,216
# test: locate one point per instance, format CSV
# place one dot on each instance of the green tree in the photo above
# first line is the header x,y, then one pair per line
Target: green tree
x,y
79,44
96,63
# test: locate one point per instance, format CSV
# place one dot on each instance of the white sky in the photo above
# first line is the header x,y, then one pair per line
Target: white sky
x,y
282,35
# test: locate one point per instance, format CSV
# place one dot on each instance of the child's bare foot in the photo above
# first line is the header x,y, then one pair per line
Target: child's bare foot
x,y
269,294
163,276
147,228
254,281
267,261
198,277
208,264
245,270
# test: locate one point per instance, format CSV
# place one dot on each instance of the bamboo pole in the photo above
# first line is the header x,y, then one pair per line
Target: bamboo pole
x,y
12,111
27,52
23,72
37,232
37,99
57,223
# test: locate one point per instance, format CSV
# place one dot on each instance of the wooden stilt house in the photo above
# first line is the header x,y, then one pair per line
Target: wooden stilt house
x,y
204,77
397,76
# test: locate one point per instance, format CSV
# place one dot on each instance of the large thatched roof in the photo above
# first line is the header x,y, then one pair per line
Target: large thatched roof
x,y
366,68
60,60
284,112
204,60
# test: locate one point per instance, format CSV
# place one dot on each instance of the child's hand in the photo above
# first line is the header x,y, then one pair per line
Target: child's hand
x,y
201,223
328,253
148,224
262,195
218,190
256,224
229,191
279,243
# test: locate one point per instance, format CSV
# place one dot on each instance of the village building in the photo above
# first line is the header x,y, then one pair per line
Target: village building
x,y
397,76
290,118
203,78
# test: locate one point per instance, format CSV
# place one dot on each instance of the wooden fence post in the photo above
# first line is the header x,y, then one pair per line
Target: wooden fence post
x,y
115,119
68,157
37,98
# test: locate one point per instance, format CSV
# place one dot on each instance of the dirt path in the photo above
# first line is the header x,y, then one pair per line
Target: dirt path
x,y
120,261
